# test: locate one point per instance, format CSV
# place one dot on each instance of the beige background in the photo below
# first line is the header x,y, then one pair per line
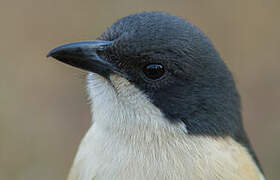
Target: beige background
x,y
43,104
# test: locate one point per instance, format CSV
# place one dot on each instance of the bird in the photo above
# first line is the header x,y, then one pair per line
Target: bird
x,y
164,105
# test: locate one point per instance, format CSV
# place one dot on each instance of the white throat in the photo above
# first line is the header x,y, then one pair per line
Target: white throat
x,y
120,105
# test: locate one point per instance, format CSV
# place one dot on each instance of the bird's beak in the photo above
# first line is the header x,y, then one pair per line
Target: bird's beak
x,y
84,55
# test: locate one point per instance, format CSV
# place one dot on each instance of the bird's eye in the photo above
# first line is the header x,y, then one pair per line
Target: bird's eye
x,y
154,71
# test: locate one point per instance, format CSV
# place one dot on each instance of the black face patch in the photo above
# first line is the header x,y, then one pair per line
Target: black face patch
x,y
197,88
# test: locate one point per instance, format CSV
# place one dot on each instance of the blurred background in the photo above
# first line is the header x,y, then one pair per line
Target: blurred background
x,y
44,110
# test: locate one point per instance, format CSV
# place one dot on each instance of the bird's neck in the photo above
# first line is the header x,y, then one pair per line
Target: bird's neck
x,y
119,107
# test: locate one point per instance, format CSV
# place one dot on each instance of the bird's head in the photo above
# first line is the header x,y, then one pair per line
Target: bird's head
x,y
167,60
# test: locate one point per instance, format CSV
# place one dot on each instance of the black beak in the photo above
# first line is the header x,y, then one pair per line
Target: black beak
x,y
84,55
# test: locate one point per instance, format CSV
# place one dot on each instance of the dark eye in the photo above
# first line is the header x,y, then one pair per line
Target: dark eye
x,y
153,71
